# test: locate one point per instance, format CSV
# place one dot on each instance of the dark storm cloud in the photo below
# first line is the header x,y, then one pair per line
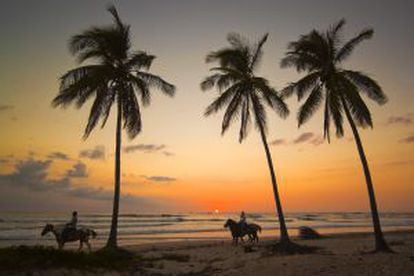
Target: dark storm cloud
x,y
58,155
97,153
147,148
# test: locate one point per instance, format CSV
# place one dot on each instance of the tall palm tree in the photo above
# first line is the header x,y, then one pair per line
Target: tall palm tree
x,y
242,93
320,55
119,76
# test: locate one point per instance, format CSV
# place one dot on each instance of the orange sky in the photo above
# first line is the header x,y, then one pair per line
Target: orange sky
x,y
189,166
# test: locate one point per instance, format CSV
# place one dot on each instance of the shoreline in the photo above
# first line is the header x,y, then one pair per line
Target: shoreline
x,y
336,254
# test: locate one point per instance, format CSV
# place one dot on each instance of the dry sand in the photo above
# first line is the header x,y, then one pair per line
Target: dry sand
x,y
339,254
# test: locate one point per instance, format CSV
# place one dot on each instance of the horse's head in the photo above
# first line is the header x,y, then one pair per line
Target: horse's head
x,y
228,223
47,229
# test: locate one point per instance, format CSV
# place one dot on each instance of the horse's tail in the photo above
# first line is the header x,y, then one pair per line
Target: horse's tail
x,y
259,228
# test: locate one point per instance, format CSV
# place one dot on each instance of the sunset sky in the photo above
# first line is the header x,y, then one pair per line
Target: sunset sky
x,y
180,161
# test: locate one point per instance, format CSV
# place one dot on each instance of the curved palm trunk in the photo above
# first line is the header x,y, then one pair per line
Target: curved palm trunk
x,y
112,240
380,243
284,236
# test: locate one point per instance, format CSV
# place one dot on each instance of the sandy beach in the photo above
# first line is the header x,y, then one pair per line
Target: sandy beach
x,y
338,254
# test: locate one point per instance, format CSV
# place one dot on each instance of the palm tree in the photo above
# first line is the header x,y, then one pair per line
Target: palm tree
x,y
242,93
119,76
320,55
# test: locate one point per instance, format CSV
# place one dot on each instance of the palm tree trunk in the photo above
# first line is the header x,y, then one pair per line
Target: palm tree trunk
x,y
380,243
112,240
284,236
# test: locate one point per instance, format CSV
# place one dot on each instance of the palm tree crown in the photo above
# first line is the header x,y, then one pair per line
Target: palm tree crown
x,y
320,55
240,90
120,74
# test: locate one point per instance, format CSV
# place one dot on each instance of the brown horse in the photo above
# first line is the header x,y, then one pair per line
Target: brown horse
x,y
82,235
236,231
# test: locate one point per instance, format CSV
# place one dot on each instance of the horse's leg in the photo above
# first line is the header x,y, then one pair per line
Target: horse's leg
x,y
89,245
80,245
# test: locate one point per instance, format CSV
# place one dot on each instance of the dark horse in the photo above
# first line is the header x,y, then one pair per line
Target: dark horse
x,y
82,235
236,231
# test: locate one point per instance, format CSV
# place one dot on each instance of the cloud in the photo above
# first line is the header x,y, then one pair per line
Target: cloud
x,y
304,137
33,175
401,120
5,107
278,142
97,153
408,139
58,155
147,148
167,153
78,170
159,178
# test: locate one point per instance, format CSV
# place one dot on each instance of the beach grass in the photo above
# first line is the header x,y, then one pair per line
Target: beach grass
x,y
41,257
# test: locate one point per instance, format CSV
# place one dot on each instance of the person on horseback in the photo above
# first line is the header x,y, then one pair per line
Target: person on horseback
x,y
70,227
242,222
73,221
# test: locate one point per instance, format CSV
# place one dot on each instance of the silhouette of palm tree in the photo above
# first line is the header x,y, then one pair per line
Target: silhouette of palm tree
x,y
242,93
320,55
119,76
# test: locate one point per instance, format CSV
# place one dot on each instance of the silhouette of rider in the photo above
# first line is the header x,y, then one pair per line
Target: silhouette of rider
x,y
242,222
71,225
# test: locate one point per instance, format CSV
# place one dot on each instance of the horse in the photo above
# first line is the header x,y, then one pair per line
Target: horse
x,y
236,231
82,235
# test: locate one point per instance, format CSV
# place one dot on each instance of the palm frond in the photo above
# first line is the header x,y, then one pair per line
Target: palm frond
x,y
140,60
259,112
310,106
302,86
231,112
141,87
258,52
131,113
348,47
245,119
356,105
98,109
271,96
367,85
157,82
223,99
79,84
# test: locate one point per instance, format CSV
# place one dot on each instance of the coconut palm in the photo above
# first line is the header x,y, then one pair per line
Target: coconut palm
x,y
119,76
320,55
243,94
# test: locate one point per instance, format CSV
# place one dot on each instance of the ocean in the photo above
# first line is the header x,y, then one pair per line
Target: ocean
x,y
18,228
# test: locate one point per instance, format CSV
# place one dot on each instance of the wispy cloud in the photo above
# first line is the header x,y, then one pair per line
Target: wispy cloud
x,y
278,142
304,138
159,178
408,139
58,155
97,153
147,148
5,107
407,119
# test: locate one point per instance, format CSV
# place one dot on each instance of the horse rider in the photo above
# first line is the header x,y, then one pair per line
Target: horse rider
x,y
71,225
242,222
